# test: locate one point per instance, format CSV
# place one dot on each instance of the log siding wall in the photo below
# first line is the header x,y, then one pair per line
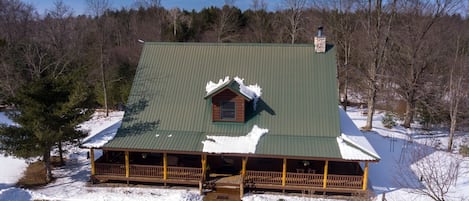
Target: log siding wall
x,y
228,95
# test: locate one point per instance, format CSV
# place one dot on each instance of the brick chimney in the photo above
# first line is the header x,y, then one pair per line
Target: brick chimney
x,y
320,41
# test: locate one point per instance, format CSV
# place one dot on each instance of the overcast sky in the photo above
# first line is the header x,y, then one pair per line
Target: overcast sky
x,y
79,6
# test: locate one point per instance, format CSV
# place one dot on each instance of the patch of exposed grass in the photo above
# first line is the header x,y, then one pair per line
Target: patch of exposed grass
x,y
34,176
55,161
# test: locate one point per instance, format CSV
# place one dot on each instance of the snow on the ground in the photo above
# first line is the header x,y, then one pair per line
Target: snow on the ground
x,y
228,144
5,120
395,177
11,168
394,146
272,197
9,174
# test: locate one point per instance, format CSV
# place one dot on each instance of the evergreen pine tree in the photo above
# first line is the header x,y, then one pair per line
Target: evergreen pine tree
x,y
47,111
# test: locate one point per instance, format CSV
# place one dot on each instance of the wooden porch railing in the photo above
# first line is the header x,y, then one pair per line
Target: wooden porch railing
x,y
264,177
146,171
256,177
304,179
344,181
110,169
184,173
153,171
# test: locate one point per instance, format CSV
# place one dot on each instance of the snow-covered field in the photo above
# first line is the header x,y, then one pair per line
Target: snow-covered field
x,y
386,177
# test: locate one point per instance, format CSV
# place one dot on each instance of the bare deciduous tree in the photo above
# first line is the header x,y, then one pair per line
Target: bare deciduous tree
x,y
377,27
436,172
294,11
457,86
148,3
417,52
342,23
226,25
259,24
98,8
16,29
174,13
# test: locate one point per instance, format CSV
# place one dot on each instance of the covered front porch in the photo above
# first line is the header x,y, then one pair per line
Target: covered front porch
x,y
251,172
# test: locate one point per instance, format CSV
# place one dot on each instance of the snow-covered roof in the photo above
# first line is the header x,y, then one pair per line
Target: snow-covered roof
x,y
352,143
103,129
212,86
229,144
249,91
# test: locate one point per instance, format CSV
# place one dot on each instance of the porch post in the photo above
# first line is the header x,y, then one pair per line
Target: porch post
x,y
106,155
204,166
326,168
165,166
365,176
243,167
93,171
127,165
284,172
243,174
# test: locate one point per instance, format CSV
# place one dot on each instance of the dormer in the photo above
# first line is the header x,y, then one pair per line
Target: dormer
x,y
230,99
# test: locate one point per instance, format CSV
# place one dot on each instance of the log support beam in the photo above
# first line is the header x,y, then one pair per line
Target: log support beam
x,y
326,168
284,172
93,167
165,167
243,167
243,174
204,166
365,177
127,164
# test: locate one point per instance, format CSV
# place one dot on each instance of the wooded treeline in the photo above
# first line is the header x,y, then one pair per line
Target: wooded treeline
x,y
409,56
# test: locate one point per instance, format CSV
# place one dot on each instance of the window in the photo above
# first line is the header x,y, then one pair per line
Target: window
x,y
228,110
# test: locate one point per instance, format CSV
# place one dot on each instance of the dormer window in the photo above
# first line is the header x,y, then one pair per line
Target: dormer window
x,y
228,110
230,99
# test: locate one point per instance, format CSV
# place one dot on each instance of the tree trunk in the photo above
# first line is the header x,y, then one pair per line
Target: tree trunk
x,y
345,92
371,107
452,129
103,79
47,165
455,89
61,155
410,108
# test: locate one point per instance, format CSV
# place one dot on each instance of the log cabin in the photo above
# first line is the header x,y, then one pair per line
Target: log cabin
x,y
252,116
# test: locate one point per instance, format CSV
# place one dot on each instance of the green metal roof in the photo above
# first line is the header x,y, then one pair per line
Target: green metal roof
x,y
298,103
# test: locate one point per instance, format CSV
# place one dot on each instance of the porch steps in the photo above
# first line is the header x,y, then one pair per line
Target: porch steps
x,y
224,188
223,194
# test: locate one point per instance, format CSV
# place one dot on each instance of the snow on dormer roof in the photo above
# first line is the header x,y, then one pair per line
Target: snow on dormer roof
x,y
250,92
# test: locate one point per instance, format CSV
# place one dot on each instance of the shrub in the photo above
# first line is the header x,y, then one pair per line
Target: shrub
x,y
464,150
388,120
